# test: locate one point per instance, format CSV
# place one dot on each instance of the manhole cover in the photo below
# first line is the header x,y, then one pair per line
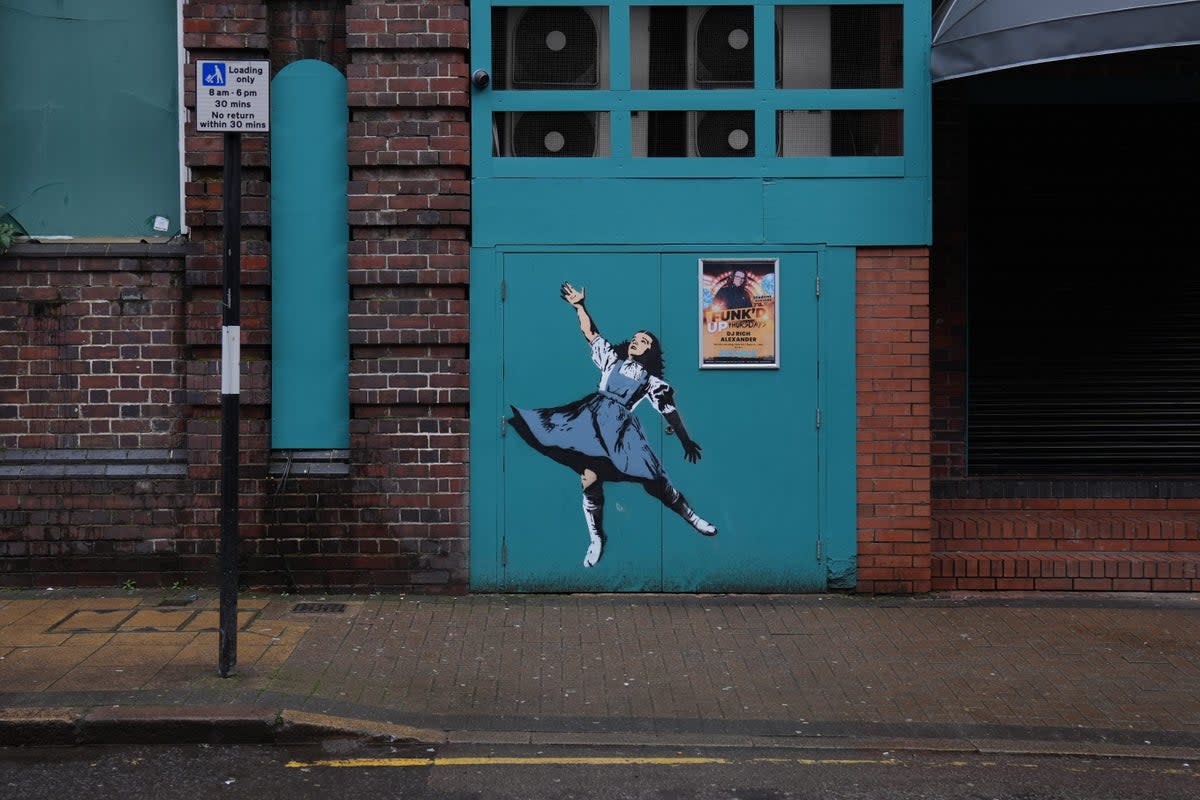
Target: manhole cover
x,y
318,608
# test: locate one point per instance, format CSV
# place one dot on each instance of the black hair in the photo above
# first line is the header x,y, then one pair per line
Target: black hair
x,y
652,360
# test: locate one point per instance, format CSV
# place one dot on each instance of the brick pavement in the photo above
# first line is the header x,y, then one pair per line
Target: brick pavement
x,y
1067,669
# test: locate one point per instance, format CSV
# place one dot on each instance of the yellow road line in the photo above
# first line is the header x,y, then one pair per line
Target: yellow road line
x,y
506,761
828,762
587,761
599,761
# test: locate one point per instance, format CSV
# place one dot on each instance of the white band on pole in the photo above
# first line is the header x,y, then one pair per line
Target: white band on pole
x,y
231,357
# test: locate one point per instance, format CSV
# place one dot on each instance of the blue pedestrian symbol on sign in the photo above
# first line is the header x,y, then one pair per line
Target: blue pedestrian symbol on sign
x,y
213,74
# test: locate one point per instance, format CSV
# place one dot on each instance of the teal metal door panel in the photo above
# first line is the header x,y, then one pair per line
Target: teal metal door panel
x,y
757,480
654,213
547,363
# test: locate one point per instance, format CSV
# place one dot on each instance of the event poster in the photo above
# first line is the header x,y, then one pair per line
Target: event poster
x,y
739,313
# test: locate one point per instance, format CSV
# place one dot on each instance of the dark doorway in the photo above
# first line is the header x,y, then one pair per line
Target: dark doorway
x,y
1083,290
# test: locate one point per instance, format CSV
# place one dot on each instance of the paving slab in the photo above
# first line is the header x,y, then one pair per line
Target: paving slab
x,y
1081,673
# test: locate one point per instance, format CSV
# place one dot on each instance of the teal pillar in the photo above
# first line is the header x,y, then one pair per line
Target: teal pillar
x,y
310,346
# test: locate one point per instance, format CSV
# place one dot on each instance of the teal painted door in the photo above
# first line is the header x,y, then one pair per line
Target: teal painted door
x,y
757,480
547,363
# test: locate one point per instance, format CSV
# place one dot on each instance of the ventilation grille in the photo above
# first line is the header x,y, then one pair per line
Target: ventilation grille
x,y
724,134
319,608
558,47
552,134
725,48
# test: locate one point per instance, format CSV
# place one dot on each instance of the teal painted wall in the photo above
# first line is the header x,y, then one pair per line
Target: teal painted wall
x,y
310,345
699,207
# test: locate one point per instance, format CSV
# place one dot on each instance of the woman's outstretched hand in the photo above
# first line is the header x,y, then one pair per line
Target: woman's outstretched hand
x,y
575,298
571,294
691,451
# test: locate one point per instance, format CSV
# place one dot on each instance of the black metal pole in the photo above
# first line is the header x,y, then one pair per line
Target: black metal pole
x,y
231,334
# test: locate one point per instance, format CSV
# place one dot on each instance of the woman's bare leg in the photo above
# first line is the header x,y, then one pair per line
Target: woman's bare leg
x,y
593,515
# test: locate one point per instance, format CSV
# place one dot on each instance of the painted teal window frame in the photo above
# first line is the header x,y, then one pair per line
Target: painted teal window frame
x,y
91,118
765,100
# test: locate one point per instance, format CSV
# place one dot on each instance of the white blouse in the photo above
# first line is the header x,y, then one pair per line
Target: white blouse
x,y
634,383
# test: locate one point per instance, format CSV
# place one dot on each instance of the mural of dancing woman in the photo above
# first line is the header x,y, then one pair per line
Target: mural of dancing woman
x,y
599,436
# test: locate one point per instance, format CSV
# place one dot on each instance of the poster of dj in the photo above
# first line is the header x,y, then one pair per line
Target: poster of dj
x,y
739,313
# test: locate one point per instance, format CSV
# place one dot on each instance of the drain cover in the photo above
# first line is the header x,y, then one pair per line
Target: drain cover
x,y
318,608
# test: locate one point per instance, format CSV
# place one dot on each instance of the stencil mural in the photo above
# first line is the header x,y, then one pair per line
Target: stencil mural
x,y
599,436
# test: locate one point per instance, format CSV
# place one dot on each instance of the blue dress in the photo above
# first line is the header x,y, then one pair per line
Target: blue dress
x,y
600,432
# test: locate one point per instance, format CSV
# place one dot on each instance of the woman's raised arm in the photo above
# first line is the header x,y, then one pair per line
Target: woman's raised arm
x,y
576,297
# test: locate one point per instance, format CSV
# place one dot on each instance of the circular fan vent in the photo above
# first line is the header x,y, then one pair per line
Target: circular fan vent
x,y
725,134
725,46
555,47
555,134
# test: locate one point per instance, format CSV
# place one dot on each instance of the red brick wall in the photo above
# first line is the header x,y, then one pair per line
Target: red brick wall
x,y
302,29
93,352
1085,544
398,519
124,351
93,355
892,298
409,259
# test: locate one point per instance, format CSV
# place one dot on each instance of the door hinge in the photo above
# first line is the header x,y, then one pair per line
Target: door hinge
x,y
503,291
504,554
503,426
818,286
818,548
818,417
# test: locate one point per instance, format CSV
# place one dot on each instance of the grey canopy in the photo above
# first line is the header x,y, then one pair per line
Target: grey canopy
x,y
974,36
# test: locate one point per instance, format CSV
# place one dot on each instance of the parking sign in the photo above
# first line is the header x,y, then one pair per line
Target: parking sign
x,y
233,96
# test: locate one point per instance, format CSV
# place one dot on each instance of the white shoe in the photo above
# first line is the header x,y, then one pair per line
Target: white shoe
x,y
702,526
594,551
680,506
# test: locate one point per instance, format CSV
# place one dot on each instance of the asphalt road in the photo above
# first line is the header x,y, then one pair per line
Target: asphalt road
x,y
474,772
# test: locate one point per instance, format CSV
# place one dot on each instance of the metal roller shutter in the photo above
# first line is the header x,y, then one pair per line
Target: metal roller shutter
x,y
1084,292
